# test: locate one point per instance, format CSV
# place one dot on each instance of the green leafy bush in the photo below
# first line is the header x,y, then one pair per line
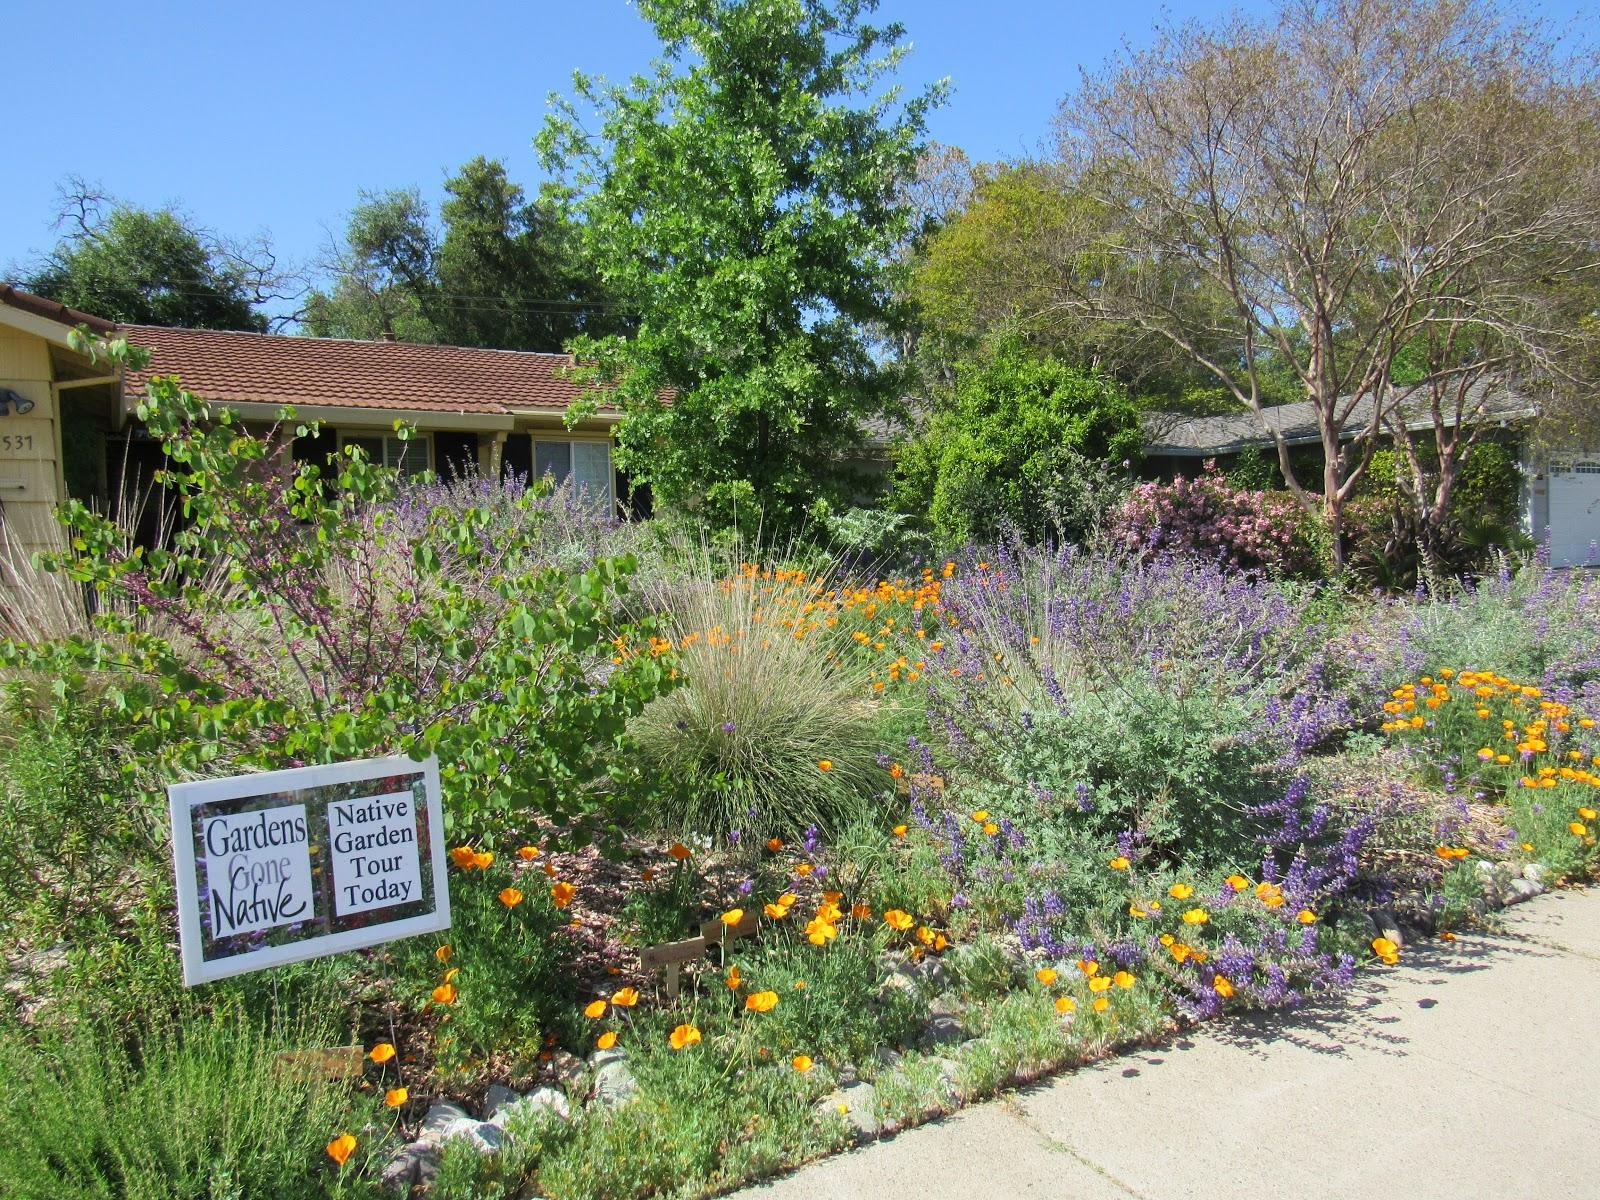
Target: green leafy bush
x,y
1025,444
72,843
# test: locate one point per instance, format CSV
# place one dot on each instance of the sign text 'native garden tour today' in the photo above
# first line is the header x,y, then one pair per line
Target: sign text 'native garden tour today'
x,y
289,865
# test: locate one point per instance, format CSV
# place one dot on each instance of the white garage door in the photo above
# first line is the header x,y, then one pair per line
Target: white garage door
x,y
1574,512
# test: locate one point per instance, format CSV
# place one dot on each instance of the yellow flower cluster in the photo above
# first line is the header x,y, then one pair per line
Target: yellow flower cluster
x,y
1093,979
794,603
1523,739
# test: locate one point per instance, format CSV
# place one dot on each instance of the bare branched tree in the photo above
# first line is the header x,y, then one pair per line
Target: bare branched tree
x,y
1363,186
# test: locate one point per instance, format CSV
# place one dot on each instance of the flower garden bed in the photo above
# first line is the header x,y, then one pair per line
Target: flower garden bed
x,y
949,830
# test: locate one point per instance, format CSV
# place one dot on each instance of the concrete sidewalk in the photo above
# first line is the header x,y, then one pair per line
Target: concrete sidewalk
x,y
1472,1069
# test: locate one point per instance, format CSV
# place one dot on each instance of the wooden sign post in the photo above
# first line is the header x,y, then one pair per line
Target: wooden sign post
x,y
670,956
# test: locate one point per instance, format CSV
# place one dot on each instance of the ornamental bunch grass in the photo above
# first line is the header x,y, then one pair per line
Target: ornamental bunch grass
x,y
773,728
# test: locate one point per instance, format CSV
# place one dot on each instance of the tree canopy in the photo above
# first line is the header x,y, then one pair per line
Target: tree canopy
x,y
1352,180
498,270
152,267
746,196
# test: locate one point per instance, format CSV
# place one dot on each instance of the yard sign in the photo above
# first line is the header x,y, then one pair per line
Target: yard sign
x,y
287,865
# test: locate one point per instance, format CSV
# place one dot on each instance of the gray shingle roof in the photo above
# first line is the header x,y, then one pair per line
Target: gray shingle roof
x,y
1179,435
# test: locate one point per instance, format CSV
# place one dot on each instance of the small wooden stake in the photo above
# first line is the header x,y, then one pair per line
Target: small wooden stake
x,y
332,1062
670,955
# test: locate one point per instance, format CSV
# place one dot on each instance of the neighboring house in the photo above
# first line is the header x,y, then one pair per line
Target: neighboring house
x,y
68,426
1560,495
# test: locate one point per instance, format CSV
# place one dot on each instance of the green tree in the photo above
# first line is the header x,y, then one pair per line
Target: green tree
x,y
998,266
746,197
502,272
153,267
511,273
1026,444
1372,186
382,273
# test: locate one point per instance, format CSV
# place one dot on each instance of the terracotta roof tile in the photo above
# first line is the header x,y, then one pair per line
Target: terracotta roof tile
x,y
53,310
278,369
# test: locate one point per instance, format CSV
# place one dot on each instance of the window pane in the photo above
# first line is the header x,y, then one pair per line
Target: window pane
x,y
552,458
591,470
408,456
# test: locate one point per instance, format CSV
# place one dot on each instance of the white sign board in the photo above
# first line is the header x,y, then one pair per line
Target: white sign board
x,y
289,865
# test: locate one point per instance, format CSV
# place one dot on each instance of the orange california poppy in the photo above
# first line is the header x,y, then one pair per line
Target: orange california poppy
x,y
444,952
896,919
1101,1004
824,764
1196,916
679,851
483,859
1123,979
900,830
342,1147
733,916
528,853
595,1009
382,1052
1223,986
734,979
1180,891
684,1035
510,896
549,869
1045,975
607,1039
774,844
776,911
625,997
802,1063
1119,863
397,1096
761,1001
1065,1004
1089,967
561,894
1100,983
463,857
1306,917
445,993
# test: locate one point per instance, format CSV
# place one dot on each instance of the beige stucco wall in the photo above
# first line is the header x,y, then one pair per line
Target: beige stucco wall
x,y
30,446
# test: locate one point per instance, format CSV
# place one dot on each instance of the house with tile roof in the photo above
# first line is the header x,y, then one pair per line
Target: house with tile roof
x,y
68,426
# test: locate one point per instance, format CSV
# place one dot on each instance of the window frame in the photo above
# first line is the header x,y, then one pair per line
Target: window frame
x,y
383,437
572,461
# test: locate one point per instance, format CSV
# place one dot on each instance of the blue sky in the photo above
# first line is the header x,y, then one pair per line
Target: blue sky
x,y
270,117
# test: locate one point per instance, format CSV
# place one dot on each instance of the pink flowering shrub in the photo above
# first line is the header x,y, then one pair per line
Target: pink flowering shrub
x,y
1209,518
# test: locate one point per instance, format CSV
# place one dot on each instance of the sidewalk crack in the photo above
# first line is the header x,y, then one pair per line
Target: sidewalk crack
x,y
1020,1115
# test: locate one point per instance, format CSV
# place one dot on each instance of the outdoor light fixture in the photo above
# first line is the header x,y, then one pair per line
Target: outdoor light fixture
x,y
11,399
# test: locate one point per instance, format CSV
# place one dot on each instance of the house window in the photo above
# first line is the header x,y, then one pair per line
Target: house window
x,y
586,465
410,456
